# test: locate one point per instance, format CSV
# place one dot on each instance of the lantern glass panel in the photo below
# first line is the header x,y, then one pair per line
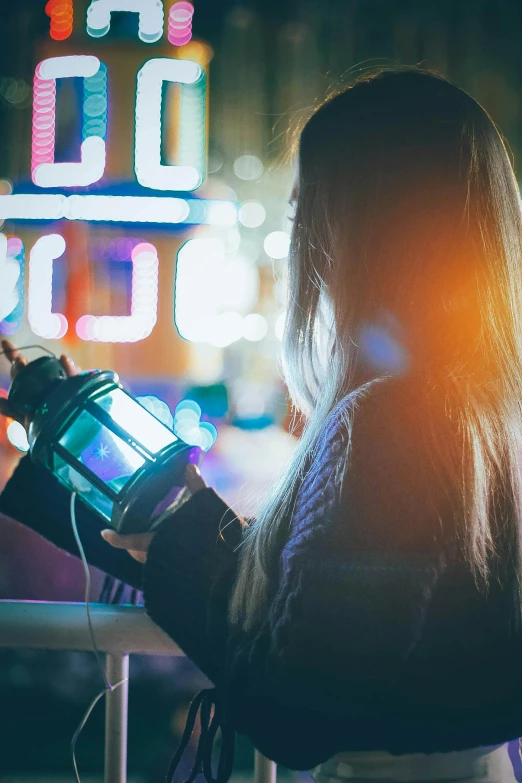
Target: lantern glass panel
x,y
82,486
136,420
101,451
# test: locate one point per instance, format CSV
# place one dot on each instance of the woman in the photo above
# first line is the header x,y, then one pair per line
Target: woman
x,y
368,623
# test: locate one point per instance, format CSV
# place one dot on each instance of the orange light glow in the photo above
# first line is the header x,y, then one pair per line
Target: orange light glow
x,y
61,13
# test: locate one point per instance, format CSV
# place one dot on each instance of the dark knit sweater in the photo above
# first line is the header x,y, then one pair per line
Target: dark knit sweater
x,y
375,637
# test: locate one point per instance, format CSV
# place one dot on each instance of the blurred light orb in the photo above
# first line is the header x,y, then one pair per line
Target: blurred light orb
x,y
215,162
250,250
248,167
17,436
186,417
6,187
279,326
188,407
232,239
255,327
187,425
277,244
227,328
158,408
252,214
209,428
221,213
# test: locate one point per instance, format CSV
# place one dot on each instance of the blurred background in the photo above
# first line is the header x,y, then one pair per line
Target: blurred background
x,y
165,260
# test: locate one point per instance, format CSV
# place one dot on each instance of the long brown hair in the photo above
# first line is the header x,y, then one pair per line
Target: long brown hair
x,y
407,220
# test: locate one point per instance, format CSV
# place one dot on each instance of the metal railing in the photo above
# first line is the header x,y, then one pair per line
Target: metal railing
x,y
120,631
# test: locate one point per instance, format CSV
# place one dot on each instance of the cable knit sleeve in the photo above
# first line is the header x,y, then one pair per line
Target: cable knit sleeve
x,y
34,497
336,636
189,575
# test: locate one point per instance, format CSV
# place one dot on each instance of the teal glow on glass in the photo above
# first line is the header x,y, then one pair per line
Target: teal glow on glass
x,y
101,443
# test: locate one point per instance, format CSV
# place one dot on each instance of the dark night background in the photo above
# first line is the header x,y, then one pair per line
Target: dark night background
x,y
272,59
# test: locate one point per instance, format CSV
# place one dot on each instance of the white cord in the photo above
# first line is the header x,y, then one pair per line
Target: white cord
x,y
108,687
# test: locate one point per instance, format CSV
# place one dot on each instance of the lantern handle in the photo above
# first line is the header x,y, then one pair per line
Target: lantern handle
x,y
26,347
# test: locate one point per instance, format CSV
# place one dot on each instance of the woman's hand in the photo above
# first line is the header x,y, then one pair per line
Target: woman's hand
x,y
138,544
18,361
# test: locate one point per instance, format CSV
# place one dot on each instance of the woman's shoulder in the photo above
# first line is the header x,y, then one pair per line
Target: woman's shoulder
x,y
395,491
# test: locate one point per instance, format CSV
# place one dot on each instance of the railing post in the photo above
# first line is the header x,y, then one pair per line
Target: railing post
x,y
116,707
265,771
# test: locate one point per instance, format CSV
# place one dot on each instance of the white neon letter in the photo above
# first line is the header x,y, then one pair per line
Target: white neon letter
x,y
150,25
144,305
43,322
211,292
12,287
149,170
46,173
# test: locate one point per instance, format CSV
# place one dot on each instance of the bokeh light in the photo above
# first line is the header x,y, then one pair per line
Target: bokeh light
x,y
248,167
277,244
150,17
43,322
158,408
228,327
180,23
61,13
17,436
188,427
279,326
252,214
255,327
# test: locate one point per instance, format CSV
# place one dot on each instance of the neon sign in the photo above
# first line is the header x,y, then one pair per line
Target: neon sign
x,y
42,320
61,13
150,202
144,308
149,170
46,173
151,174
180,23
150,14
12,263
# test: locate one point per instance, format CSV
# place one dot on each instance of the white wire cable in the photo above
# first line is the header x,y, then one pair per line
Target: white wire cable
x,y
108,687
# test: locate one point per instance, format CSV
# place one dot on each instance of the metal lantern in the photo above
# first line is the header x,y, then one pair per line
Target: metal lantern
x,y
102,444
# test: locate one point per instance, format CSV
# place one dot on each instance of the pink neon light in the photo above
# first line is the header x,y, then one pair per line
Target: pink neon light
x,y
61,13
44,114
14,244
144,304
180,23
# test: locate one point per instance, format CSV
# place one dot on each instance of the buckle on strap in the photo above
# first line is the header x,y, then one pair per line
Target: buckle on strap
x,y
204,701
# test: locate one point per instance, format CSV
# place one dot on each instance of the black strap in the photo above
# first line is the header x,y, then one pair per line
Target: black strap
x,y
204,701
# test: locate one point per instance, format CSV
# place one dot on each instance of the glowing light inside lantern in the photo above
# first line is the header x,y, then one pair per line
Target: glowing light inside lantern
x,y
180,23
150,24
61,13
190,172
152,434
12,268
43,322
144,305
45,172
158,408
